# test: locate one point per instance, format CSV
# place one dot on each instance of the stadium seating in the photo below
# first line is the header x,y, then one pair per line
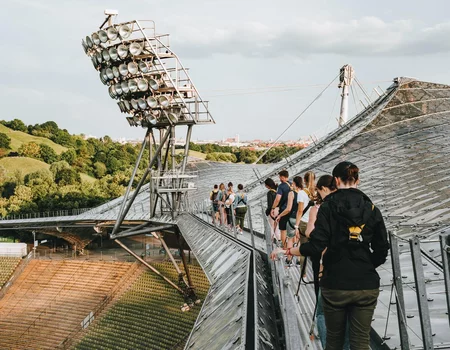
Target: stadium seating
x,y
51,298
148,315
7,267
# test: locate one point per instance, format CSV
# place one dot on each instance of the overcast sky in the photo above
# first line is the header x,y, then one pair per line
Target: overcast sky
x,y
259,63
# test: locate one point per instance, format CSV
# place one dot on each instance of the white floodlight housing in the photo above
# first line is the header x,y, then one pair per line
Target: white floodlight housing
x,y
172,117
136,49
124,31
125,88
109,74
141,103
151,101
115,71
134,104
153,84
112,33
95,39
163,101
89,42
113,53
133,68
122,51
127,105
132,85
103,36
123,69
143,67
142,85
118,88
111,12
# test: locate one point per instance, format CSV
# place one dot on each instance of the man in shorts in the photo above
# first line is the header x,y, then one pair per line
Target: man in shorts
x,y
281,202
213,196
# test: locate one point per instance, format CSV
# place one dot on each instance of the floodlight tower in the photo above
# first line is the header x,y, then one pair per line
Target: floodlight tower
x,y
154,91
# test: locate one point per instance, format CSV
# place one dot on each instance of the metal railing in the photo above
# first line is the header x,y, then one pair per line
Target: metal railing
x,y
46,214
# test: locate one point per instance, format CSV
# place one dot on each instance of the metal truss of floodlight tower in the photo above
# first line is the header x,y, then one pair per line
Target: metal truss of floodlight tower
x,y
146,77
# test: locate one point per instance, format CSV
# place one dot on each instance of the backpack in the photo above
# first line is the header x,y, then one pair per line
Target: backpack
x,y
213,196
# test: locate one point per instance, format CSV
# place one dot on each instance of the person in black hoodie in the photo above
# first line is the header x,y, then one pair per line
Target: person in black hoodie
x,y
353,231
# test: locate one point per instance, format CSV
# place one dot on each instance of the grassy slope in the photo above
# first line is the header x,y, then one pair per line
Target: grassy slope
x,y
194,154
19,137
26,165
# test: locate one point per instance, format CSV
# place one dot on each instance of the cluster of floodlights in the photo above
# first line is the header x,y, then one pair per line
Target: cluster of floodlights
x,y
127,66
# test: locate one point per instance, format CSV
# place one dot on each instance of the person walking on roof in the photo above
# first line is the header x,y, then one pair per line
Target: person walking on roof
x,y
281,203
221,202
240,203
229,200
271,194
353,231
213,196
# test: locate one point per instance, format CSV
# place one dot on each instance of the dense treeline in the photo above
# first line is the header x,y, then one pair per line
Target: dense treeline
x,y
60,187
89,172
241,154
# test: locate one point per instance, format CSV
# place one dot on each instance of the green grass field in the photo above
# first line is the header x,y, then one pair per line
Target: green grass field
x,y
194,154
18,138
24,164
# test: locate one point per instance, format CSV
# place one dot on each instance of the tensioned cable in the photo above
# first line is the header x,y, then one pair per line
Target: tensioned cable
x,y
295,120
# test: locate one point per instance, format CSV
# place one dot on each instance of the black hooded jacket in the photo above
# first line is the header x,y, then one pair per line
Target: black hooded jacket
x,y
348,264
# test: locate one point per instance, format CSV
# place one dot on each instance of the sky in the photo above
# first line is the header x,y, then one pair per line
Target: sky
x,y
258,63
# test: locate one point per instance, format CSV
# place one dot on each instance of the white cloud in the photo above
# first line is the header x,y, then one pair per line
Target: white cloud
x,y
366,36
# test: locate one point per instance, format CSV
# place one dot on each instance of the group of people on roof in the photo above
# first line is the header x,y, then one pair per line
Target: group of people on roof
x,y
229,207
342,232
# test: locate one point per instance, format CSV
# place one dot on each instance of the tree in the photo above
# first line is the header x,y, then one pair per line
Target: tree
x,y
99,169
69,156
57,166
30,149
67,176
16,124
5,141
48,154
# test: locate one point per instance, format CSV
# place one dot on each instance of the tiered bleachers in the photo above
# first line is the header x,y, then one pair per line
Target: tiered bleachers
x,y
148,315
7,267
51,298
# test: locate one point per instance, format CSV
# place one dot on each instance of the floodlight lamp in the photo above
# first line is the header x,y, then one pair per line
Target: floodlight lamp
x,y
103,76
136,49
103,36
106,56
95,39
151,101
85,47
115,71
132,85
141,103
142,85
124,31
123,69
113,53
120,104
172,117
127,105
109,73
150,118
89,42
99,57
94,61
153,84
125,88
131,121
112,92
163,101
112,33
118,88
133,68
134,104
143,67
122,51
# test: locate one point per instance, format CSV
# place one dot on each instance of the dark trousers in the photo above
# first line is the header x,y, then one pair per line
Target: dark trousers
x,y
240,216
229,217
358,307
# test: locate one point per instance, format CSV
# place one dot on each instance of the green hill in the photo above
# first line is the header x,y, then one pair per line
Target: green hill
x,y
24,164
18,138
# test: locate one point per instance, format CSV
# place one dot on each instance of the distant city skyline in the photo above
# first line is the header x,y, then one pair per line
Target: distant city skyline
x,y
259,63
